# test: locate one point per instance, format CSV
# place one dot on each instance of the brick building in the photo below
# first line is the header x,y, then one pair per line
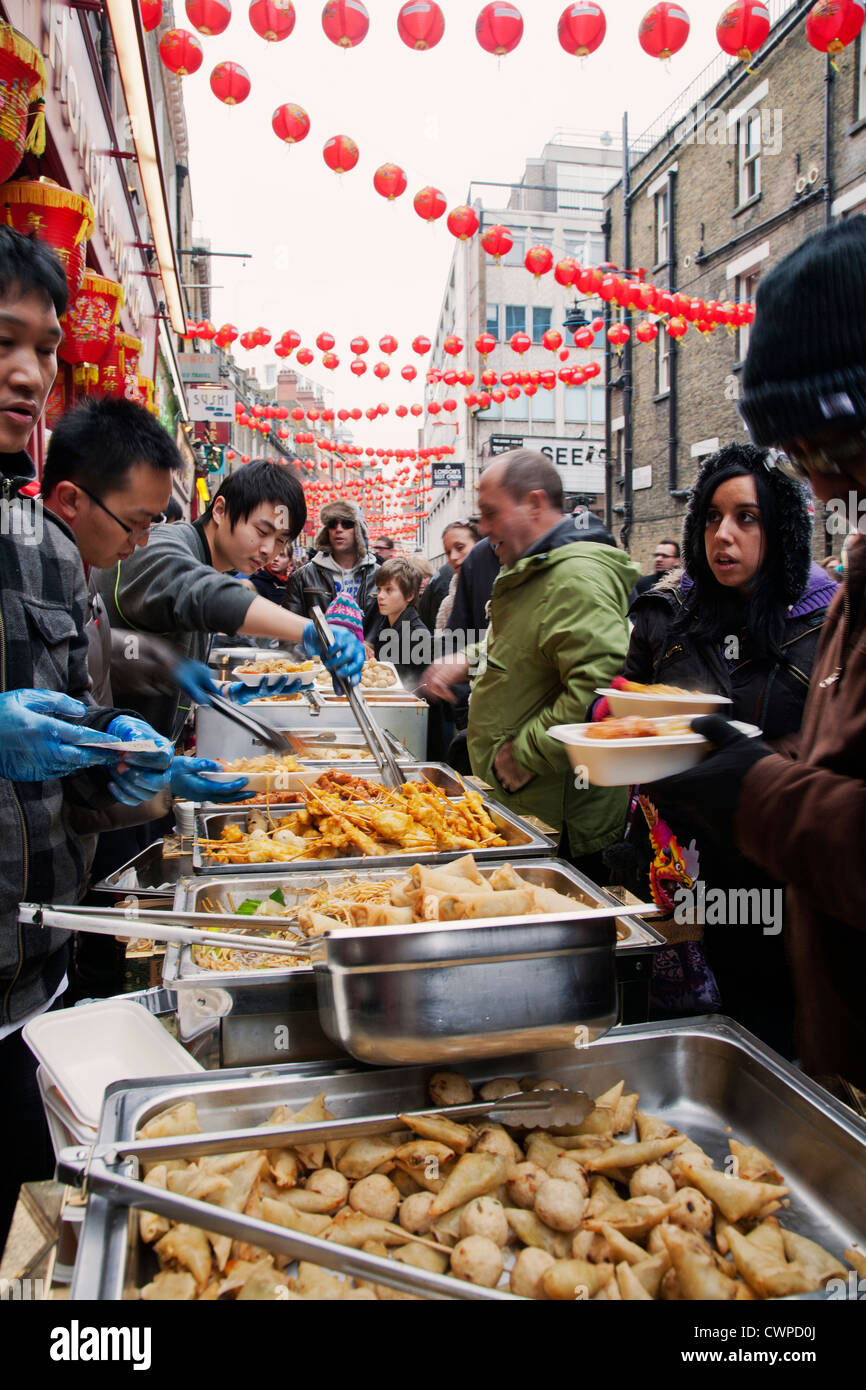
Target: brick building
x,y
734,176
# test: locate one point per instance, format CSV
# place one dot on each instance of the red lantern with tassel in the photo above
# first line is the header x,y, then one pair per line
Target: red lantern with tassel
x,y
346,22
210,17
151,14
305,357
833,24
22,81
582,29
430,204
742,29
499,29
497,242
90,320
421,24
181,52
539,259
390,181
272,20
59,217
291,123
453,345
325,342
359,346
463,222
421,345
646,332
341,154
388,344
552,340
664,30
521,342
230,83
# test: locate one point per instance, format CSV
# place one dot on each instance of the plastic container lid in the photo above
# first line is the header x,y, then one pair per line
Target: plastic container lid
x,y
87,1048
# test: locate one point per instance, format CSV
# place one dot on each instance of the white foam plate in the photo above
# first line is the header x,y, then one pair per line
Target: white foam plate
x,y
625,702
307,678
88,1048
626,762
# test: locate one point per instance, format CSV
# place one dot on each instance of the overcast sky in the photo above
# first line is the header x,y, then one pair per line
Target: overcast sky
x,y
328,253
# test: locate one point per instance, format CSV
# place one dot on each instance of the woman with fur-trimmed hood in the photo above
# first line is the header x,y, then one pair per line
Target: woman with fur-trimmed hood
x,y
342,564
741,619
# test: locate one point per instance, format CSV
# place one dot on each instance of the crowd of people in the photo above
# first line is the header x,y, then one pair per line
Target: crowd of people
x,y
109,609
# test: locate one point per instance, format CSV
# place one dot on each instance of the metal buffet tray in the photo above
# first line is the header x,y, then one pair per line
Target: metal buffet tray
x,y
709,1077
147,874
331,746
262,1016
522,841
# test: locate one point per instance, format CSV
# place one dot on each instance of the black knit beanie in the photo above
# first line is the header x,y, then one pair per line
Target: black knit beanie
x,y
806,366
793,517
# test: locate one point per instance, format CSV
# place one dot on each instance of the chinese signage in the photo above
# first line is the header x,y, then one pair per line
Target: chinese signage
x,y
198,366
449,474
209,404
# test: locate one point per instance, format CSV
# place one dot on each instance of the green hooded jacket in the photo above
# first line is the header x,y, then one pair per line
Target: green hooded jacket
x,y
558,630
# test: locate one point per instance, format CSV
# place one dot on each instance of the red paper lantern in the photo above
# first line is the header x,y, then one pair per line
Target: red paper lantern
x,y
359,346
340,154
552,340
521,342
291,339
430,204
381,370
272,20
390,181
677,327
421,345
499,29
151,14
582,29
566,272
646,332
231,83
664,30
181,52
484,344
434,408
409,373
833,24
358,367
466,378
64,220
416,409
463,222
539,259
388,344
90,320
420,24
325,342
210,17
226,335
331,361
346,22
743,28
305,357
450,378
497,242
453,345
291,123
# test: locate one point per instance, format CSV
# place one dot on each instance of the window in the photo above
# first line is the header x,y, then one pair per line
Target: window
x,y
576,405
493,412
663,362
517,410
746,289
663,226
541,236
493,320
749,157
518,251
515,320
540,323
599,410
544,407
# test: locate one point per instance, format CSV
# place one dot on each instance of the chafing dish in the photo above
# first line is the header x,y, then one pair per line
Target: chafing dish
x,y
708,1077
150,873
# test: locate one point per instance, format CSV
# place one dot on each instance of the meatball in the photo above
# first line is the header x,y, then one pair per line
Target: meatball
x,y
559,1204
449,1088
651,1180
375,1196
485,1217
330,1185
502,1086
524,1180
528,1273
692,1211
415,1213
477,1260
569,1170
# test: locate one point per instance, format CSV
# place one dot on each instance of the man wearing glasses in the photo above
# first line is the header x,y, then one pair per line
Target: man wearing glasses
x,y
341,565
804,821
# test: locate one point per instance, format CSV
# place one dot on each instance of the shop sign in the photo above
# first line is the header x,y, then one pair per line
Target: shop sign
x,y
449,474
580,461
198,366
209,404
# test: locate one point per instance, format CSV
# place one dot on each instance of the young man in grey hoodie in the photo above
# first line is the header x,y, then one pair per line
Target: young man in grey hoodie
x,y
342,564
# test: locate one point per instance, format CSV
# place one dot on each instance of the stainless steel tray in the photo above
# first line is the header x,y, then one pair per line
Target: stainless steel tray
x,y
324,746
148,874
709,1077
522,842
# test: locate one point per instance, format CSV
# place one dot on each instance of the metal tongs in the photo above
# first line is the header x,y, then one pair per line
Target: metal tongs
x,y
376,743
152,925
272,738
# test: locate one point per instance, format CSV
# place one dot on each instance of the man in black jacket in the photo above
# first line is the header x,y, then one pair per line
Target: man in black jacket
x,y
342,564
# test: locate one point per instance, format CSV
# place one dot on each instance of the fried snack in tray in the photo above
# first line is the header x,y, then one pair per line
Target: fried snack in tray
x,y
377,676
270,763
276,667
549,1216
633,726
348,817
635,688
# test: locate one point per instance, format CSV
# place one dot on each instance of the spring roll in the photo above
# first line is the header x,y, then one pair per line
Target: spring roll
x,y
316,923
380,915
443,881
506,879
471,906
468,869
548,900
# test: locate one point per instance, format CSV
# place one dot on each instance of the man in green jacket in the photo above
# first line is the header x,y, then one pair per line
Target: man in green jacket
x,y
558,630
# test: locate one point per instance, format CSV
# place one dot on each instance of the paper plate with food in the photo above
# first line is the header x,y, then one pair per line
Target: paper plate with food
x,y
268,773
636,749
654,701
272,671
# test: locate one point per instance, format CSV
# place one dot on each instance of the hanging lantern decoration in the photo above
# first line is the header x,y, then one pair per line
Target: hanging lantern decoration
x,y
210,17
566,271
340,154
206,331
420,24
390,181
421,345
331,361
833,24
381,370
485,344
453,345
552,340
646,332
499,29
272,20
742,29
358,367
325,342
497,242
359,346
231,83
226,335
388,344
521,342
346,22
409,373
22,81
582,29
664,30
430,204
291,123
539,259
90,320
677,327
151,14
463,222
291,339
305,357
181,52
59,217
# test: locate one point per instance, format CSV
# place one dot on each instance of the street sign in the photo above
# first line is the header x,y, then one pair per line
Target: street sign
x,y
208,404
449,475
580,461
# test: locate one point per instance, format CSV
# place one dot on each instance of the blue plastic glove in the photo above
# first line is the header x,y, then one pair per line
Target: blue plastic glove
x,y
34,747
186,782
141,775
195,679
242,694
345,657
